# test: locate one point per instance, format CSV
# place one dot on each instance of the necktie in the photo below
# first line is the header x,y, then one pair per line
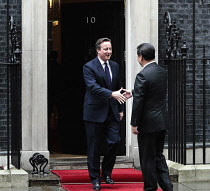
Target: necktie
x,y
108,75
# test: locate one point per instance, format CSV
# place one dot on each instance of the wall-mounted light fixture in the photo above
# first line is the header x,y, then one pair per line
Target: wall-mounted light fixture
x,y
55,23
51,3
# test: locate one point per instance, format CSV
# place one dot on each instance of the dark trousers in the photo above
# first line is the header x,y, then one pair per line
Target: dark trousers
x,y
152,160
108,131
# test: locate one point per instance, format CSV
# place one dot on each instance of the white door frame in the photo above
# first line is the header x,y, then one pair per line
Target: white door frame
x,y
141,26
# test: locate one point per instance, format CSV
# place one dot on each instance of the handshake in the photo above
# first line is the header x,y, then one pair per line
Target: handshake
x,y
121,95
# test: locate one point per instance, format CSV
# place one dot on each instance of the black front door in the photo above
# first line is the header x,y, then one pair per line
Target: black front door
x,y
81,25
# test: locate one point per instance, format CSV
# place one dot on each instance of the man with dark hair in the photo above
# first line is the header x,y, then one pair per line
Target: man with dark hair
x,y
103,111
149,119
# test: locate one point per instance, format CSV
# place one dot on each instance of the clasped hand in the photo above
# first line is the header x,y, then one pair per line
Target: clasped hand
x,y
121,97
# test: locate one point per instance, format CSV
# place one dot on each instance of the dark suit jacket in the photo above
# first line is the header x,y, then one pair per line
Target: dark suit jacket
x,y
149,100
97,98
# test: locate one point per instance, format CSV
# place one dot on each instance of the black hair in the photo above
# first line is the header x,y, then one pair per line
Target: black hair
x,y
147,51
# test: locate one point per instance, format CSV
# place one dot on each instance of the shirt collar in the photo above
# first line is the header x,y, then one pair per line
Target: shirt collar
x,y
102,62
148,64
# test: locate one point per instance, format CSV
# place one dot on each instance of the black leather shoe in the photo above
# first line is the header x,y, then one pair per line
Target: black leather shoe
x,y
96,186
108,179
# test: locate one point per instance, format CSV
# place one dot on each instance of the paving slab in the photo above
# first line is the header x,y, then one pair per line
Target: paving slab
x,y
197,186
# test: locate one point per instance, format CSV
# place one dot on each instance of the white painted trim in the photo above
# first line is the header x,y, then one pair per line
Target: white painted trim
x,y
34,79
141,25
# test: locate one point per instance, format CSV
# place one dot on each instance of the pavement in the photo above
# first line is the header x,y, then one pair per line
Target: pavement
x,y
192,186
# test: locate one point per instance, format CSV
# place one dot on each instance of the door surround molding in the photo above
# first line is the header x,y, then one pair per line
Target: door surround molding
x,y
34,80
141,26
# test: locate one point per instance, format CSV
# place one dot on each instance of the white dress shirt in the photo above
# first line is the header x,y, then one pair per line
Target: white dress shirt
x,y
103,65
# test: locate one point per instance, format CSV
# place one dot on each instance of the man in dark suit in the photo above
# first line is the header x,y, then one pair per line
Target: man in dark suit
x,y
149,119
103,111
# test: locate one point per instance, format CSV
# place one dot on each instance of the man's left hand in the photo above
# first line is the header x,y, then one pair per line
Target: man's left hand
x,y
134,130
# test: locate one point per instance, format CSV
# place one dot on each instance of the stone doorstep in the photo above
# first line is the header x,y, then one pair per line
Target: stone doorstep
x,y
49,179
70,166
81,163
189,173
15,178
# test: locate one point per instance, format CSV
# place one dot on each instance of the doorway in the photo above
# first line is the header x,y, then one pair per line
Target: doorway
x,y
81,24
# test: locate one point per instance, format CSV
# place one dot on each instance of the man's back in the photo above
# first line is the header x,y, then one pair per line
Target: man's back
x,y
150,90
156,87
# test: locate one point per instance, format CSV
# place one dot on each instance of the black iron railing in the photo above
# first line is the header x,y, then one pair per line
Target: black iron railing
x,y
188,97
14,70
10,72
188,105
11,94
